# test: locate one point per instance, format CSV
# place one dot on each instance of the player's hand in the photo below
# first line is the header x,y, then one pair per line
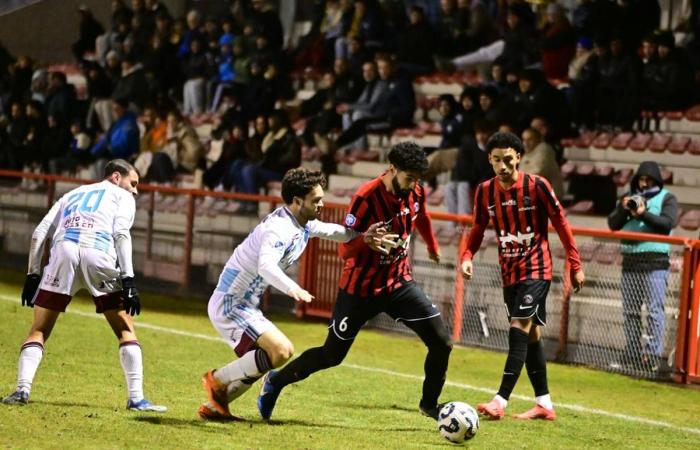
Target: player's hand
x,y
300,295
624,201
379,240
578,280
434,256
639,211
31,285
132,301
467,269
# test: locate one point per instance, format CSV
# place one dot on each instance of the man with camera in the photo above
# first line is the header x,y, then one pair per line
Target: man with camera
x,y
647,208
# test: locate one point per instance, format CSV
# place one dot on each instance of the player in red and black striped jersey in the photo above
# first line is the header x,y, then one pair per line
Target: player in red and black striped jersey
x,y
520,206
379,280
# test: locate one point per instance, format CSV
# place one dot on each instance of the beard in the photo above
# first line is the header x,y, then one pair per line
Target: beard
x,y
398,190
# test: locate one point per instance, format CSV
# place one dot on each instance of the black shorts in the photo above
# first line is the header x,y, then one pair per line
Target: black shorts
x,y
408,303
528,299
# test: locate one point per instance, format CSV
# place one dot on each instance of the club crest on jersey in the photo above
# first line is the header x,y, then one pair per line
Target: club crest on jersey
x,y
528,299
279,244
416,207
350,220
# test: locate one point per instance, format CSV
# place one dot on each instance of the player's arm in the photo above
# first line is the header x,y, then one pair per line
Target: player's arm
x,y
36,253
476,235
557,216
271,252
121,235
334,232
359,219
425,228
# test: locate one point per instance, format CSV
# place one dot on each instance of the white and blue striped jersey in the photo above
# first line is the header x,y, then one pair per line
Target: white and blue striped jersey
x,y
93,216
274,244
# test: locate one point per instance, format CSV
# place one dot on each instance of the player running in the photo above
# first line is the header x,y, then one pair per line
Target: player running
x,y
372,283
519,206
92,250
274,245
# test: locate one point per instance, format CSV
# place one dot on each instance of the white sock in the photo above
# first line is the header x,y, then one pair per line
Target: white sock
x,y
544,401
251,365
29,359
502,402
132,363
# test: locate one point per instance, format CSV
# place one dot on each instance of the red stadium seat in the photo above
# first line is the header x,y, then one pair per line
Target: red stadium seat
x,y
621,141
693,113
694,146
602,141
659,143
690,220
667,176
678,144
567,169
585,169
672,115
585,140
604,171
581,207
622,177
640,142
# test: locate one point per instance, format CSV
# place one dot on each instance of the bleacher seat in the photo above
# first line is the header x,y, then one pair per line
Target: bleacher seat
x,y
602,141
581,207
659,142
693,114
640,142
622,176
691,220
621,140
678,144
585,140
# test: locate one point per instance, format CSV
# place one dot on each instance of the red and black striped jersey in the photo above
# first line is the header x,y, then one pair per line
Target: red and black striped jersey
x,y
367,272
520,218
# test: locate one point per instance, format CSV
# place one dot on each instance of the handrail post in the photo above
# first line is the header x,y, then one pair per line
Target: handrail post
x,y
459,292
149,224
189,233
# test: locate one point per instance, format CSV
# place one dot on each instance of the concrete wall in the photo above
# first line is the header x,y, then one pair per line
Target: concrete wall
x,y
46,30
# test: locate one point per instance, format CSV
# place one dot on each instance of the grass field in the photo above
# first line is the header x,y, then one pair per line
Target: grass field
x,y
369,402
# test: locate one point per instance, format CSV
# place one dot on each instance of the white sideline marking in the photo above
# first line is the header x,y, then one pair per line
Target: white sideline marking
x,y
572,407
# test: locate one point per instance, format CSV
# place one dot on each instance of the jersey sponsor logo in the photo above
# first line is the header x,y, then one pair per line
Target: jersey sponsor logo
x,y
523,239
416,207
350,220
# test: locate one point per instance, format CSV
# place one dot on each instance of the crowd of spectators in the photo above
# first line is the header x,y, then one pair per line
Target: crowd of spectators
x,y
545,71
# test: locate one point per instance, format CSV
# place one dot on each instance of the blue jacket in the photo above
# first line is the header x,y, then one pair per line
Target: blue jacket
x,y
121,140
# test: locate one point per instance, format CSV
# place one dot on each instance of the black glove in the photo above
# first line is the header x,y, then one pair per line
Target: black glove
x,y
132,302
31,284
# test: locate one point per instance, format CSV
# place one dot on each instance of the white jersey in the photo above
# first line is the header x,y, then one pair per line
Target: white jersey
x,y
274,244
96,216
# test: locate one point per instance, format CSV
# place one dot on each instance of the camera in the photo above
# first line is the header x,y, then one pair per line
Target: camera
x,y
634,202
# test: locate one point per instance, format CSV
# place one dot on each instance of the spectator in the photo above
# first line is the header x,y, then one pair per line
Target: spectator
x,y
192,33
220,176
394,107
280,152
417,44
161,68
583,86
61,97
34,138
584,47
496,108
196,68
617,89
266,22
539,159
536,97
372,91
183,145
99,87
647,208
452,123
20,80
90,29
57,141
225,72
364,24
133,85
320,111
471,168
12,154
78,153
558,43
121,139
553,140
470,108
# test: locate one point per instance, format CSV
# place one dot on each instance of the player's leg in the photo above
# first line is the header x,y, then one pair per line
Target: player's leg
x,y
31,353
51,299
525,303
349,315
536,365
411,306
130,354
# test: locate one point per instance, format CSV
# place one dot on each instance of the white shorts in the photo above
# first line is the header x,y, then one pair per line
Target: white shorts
x,y
72,268
238,323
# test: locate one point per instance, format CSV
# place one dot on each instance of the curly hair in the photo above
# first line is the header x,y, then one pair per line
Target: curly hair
x,y
299,182
408,156
505,140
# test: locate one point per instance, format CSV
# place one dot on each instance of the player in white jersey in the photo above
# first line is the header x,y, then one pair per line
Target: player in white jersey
x,y
91,249
259,261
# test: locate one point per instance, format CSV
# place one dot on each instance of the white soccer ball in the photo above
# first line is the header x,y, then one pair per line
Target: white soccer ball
x,y
458,422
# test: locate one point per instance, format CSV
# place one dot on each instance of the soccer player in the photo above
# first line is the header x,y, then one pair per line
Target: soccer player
x,y
92,250
519,205
372,283
259,261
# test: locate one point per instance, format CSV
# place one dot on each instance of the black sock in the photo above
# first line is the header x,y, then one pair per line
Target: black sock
x,y
314,359
536,365
517,352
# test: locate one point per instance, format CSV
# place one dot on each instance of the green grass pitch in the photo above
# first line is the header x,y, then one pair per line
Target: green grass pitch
x,y
369,402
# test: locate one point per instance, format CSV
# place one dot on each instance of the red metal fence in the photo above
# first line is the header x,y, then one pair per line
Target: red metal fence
x,y
321,267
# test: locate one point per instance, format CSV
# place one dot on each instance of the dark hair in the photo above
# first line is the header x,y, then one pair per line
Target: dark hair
x,y
119,165
483,125
299,182
408,156
505,140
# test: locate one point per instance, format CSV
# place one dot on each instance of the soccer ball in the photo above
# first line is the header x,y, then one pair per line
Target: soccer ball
x,y
458,422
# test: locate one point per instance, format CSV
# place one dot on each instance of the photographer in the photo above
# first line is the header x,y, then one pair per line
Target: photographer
x,y
647,208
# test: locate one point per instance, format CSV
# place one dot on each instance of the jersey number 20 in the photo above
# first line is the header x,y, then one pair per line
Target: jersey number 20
x,y
89,202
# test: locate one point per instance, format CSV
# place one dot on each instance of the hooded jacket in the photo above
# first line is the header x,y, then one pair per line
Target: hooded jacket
x,y
660,219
